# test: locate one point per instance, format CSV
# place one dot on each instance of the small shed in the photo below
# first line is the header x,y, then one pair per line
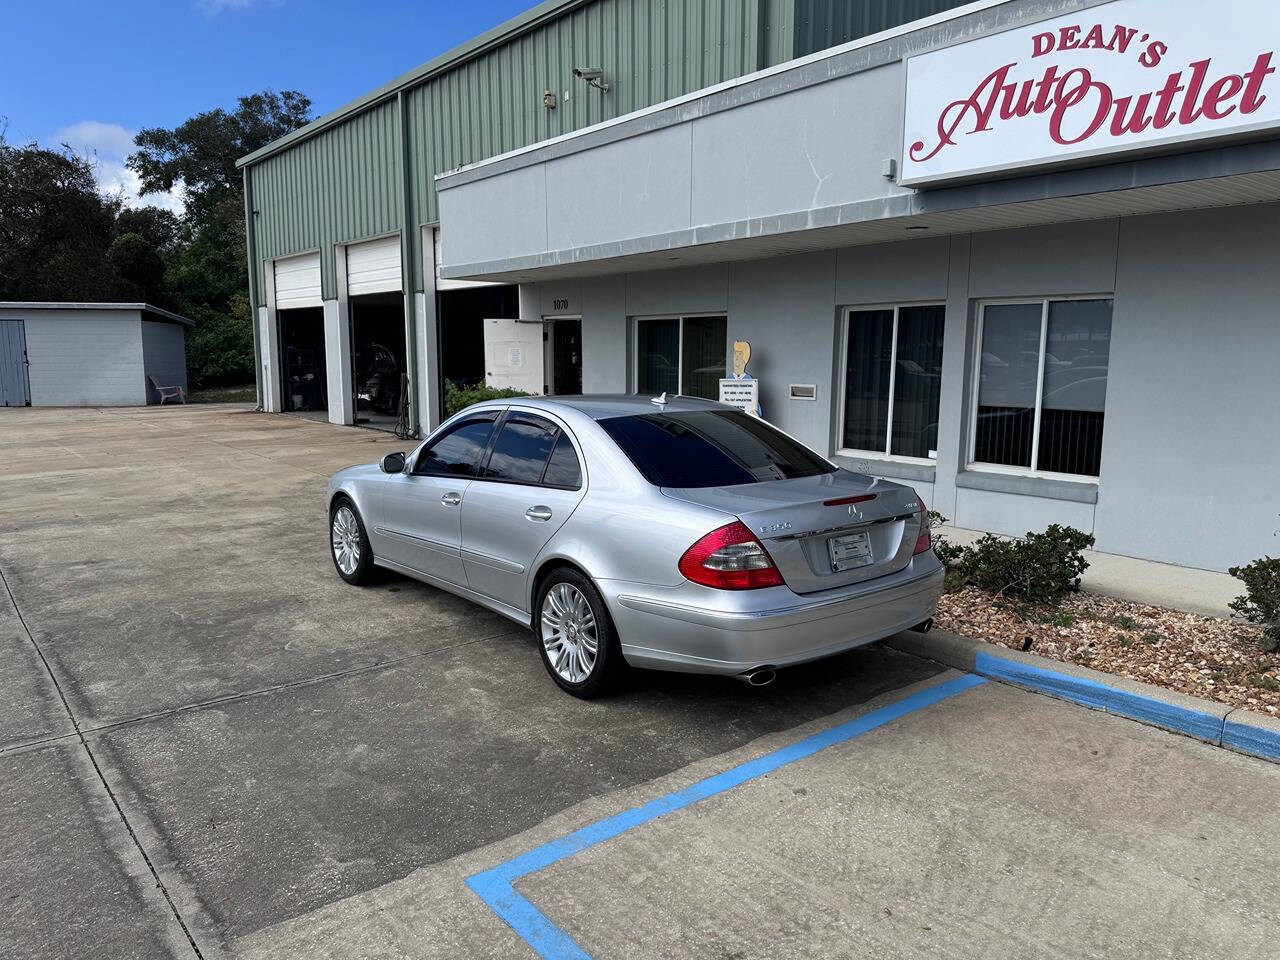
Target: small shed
x,y
89,354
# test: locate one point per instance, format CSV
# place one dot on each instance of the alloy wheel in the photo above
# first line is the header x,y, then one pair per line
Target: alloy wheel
x,y
569,632
345,535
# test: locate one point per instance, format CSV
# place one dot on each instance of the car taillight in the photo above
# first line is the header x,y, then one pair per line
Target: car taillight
x,y
730,558
925,540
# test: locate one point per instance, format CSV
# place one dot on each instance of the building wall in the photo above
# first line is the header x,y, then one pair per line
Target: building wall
x,y
827,23
1188,463
85,358
164,355
345,183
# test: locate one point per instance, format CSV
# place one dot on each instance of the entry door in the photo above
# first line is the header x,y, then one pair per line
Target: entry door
x,y
15,386
420,512
529,486
564,357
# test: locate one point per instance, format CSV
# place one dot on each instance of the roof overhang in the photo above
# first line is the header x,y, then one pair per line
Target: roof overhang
x,y
146,309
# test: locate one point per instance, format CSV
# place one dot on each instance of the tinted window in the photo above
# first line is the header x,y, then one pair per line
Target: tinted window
x,y
458,452
563,469
710,448
521,452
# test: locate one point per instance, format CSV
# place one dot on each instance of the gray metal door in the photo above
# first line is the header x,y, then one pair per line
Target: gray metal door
x,y
15,388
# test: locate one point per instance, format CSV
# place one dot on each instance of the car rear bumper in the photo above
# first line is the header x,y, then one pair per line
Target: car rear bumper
x,y
701,630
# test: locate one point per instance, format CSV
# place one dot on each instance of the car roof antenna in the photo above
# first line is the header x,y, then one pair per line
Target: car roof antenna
x,y
660,399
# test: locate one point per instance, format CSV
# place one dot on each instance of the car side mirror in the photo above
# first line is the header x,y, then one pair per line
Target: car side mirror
x,y
393,463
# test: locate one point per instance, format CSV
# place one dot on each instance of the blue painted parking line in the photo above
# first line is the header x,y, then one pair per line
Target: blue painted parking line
x,y
494,886
1090,693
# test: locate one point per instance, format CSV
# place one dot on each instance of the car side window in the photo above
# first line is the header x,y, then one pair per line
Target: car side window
x,y
563,469
458,452
522,449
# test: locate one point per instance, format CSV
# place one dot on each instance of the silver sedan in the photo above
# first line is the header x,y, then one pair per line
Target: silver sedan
x,y
676,534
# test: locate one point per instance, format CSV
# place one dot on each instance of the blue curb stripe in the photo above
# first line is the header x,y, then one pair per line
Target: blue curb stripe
x,y
1195,723
1247,738
494,886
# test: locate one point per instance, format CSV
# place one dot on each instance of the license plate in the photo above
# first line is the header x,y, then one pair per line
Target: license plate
x,y
847,552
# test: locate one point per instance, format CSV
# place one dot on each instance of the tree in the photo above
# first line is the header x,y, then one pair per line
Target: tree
x,y
55,227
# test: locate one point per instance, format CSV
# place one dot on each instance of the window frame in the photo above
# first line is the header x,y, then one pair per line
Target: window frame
x,y
480,415
680,319
975,369
846,320
559,430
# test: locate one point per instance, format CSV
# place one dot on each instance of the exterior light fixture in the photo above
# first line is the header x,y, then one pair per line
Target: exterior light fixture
x,y
549,100
594,76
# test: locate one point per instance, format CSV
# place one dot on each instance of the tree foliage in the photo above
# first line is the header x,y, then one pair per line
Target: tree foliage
x,y
55,228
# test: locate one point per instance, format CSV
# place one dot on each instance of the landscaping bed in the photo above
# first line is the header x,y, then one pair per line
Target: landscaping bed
x,y
1209,657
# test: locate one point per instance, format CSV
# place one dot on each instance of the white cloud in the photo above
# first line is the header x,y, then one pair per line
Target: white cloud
x,y
211,8
107,145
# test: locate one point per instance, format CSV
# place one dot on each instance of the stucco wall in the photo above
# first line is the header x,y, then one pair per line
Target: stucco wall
x,y
164,355
85,358
1189,460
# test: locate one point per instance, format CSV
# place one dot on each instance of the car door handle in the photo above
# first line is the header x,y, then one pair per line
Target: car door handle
x,y
539,513
451,499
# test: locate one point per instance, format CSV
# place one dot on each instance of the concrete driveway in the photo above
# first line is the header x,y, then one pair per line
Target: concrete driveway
x,y
210,746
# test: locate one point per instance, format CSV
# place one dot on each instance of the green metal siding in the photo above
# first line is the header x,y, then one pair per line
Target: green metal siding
x,y
820,24
344,183
340,186
651,50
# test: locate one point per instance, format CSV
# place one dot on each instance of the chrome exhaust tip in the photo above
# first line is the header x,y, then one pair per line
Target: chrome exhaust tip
x,y
924,627
759,677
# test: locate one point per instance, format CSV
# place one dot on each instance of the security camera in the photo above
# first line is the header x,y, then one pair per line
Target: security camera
x,y
594,77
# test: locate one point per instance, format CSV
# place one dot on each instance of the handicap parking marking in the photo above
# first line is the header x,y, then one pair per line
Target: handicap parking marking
x,y
494,886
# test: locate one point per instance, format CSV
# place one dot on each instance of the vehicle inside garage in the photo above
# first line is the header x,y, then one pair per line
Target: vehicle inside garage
x,y
302,360
378,358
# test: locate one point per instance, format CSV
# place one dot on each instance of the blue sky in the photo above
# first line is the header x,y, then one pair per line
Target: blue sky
x,y
93,72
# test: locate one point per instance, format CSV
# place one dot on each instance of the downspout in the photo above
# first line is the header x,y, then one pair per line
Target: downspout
x,y
408,246
251,250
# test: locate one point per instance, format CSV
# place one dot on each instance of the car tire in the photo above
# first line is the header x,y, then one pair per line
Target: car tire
x,y
349,544
568,616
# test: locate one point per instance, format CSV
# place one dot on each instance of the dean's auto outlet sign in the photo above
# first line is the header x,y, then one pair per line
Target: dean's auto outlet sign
x,y
1122,76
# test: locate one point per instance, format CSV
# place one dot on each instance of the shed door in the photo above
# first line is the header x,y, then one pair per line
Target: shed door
x,y
15,387
298,282
374,267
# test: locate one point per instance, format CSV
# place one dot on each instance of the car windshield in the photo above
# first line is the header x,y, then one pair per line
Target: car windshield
x,y
710,448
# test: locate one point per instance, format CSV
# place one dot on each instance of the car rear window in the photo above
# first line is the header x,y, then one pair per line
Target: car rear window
x,y
710,448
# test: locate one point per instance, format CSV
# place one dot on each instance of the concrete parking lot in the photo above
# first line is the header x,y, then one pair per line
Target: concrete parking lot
x,y
210,746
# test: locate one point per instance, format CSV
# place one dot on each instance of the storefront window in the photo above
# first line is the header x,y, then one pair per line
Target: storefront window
x,y
893,374
684,355
1042,385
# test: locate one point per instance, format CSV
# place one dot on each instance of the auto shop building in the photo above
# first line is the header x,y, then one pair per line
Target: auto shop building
x,y
1019,254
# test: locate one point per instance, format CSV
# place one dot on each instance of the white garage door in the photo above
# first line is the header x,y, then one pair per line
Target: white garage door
x,y
298,282
374,267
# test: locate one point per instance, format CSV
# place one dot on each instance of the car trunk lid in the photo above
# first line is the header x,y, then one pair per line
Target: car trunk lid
x,y
823,531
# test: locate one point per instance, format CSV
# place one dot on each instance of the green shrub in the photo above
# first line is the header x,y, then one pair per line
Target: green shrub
x,y
1261,601
943,549
1040,568
459,396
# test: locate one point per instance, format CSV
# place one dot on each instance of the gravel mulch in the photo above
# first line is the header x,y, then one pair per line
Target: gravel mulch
x,y
1206,657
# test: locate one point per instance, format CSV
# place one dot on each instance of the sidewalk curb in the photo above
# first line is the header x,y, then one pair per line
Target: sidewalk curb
x,y
1244,731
